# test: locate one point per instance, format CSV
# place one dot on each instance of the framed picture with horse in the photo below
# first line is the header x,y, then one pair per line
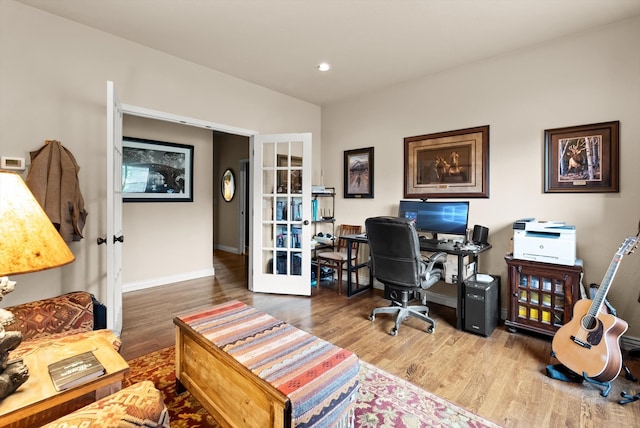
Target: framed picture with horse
x,y
452,164
582,159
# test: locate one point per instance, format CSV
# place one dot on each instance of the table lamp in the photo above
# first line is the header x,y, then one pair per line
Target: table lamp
x,y
28,243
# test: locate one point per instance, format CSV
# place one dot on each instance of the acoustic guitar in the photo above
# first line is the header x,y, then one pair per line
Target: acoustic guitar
x,y
589,344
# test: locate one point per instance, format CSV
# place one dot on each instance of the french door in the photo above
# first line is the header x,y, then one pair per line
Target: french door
x,y
280,256
114,237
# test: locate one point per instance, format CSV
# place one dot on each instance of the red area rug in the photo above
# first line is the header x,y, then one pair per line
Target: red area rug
x,y
384,400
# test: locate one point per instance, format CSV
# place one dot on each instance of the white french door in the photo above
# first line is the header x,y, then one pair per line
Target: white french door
x,y
114,236
280,236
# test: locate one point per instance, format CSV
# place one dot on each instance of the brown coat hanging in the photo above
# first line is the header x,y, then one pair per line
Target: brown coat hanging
x,y
53,180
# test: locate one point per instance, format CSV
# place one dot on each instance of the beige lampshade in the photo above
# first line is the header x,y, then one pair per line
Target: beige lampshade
x,y
28,240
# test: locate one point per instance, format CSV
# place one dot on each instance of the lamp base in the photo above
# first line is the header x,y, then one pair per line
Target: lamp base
x,y
12,373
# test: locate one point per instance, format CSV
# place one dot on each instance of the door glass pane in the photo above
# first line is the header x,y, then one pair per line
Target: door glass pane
x,y
296,263
268,155
268,181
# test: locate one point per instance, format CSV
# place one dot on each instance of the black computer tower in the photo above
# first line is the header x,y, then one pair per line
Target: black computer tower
x,y
481,305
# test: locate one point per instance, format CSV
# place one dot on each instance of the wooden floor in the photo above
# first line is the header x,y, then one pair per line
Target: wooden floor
x,y
501,378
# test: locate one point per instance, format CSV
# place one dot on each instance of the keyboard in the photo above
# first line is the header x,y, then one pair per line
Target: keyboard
x,y
431,241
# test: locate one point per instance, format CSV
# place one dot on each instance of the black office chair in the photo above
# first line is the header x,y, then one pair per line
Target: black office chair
x,y
397,263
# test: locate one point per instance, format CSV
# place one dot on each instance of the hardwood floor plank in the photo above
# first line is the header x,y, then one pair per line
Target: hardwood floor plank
x,y
501,377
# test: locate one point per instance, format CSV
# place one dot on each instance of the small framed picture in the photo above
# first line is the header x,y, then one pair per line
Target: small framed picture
x,y
156,171
582,159
228,185
358,173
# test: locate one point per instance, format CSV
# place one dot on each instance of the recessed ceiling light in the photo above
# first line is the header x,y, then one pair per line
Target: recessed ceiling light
x,y
323,66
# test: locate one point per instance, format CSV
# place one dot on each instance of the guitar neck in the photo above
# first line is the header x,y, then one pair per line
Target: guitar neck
x,y
604,286
627,247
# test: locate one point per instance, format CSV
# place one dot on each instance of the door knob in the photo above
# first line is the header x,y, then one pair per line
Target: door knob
x,y
101,240
118,239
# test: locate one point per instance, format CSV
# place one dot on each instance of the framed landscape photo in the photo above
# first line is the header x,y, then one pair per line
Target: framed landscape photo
x,y
452,164
156,171
358,173
582,159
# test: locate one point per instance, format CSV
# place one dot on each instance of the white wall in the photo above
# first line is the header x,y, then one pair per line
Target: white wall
x,y
166,240
53,75
587,78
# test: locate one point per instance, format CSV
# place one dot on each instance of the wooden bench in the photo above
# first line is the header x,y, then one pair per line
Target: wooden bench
x,y
249,369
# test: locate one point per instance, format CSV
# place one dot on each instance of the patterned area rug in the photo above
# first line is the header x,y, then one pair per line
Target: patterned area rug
x,y
384,400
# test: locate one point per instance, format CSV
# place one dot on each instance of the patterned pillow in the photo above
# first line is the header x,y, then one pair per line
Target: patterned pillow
x,y
71,311
139,405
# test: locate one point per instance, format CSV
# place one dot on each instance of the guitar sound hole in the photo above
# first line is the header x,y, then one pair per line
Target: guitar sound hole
x,y
589,322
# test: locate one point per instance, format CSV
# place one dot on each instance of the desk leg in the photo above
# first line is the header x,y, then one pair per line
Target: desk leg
x,y
349,269
460,284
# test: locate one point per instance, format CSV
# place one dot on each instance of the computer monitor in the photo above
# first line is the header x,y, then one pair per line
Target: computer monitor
x,y
437,217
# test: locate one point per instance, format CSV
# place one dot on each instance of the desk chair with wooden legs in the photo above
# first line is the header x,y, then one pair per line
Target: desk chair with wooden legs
x,y
337,259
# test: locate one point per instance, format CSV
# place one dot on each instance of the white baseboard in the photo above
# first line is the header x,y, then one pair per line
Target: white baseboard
x,y
628,342
232,250
155,282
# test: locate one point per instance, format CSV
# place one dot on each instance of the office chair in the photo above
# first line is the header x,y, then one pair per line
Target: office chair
x,y
397,263
337,260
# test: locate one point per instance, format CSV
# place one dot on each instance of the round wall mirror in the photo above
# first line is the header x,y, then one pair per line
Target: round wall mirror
x,y
228,185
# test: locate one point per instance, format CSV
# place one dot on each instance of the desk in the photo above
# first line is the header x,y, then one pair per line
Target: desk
x,y
360,239
451,248
447,247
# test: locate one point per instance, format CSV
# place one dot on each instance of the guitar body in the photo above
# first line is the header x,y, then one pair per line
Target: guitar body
x,y
590,345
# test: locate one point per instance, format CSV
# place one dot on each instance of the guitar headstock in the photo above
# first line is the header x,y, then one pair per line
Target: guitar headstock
x,y
629,245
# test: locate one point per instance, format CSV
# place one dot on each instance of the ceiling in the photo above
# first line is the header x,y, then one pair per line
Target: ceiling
x,y
370,44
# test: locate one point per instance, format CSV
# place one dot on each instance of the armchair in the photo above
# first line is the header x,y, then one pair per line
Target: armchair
x,y
397,263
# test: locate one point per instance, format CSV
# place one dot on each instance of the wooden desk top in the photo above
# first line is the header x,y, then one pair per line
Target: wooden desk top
x,y
38,394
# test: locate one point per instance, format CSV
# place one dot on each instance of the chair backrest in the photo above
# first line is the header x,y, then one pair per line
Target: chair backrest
x,y
348,229
395,251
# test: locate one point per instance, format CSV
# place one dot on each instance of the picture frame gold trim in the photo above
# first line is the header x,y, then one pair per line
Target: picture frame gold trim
x,y
452,164
582,159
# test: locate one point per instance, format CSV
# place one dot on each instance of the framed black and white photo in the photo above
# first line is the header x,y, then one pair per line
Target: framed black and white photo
x,y
156,171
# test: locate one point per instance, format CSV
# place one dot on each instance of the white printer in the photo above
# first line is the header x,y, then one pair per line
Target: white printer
x,y
544,241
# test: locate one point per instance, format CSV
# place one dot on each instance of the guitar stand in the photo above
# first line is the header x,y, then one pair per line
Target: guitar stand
x,y
628,398
605,385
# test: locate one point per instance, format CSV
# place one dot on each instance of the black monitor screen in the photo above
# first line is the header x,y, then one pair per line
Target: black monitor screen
x,y
437,217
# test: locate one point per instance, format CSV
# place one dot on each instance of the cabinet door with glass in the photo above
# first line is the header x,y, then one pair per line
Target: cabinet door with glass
x,y
541,295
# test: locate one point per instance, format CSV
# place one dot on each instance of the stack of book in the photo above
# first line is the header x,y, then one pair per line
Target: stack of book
x,y
75,370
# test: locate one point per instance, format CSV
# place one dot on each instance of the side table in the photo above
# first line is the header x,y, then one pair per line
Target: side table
x,y
37,402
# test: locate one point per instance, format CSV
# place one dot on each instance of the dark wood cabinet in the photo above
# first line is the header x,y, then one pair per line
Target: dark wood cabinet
x,y
541,295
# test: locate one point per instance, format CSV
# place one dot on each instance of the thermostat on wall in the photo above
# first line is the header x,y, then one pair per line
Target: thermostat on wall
x,y
7,162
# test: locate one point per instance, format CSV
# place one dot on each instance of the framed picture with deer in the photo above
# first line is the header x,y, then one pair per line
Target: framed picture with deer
x,y
452,164
582,159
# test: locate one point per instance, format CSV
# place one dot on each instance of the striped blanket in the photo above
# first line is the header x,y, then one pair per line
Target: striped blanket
x,y
319,378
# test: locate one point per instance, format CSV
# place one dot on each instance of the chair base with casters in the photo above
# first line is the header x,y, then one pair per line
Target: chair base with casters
x,y
402,311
